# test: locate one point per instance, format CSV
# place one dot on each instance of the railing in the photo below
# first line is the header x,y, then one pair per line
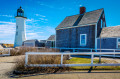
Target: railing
x,y
5,51
88,49
69,65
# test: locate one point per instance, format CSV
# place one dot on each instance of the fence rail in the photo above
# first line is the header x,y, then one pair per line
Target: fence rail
x,y
2,50
68,65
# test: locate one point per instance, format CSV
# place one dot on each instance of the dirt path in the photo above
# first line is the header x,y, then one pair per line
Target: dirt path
x,y
7,64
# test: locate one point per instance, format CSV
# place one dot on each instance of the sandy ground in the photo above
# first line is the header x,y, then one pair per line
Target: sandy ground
x,y
7,64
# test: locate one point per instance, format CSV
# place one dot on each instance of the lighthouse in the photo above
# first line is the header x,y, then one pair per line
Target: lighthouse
x,y
20,34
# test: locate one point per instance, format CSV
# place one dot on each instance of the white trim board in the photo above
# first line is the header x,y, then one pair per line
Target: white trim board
x,y
76,26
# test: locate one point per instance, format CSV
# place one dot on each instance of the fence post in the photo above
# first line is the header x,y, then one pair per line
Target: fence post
x,y
61,58
92,55
99,58
73,50
37,49
91,50
60,49
26,59
114,53
9,51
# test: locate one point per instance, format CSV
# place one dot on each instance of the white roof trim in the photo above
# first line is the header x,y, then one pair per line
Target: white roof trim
x,y
76,26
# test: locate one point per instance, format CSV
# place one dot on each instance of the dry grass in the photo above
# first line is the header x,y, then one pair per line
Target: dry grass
x,y
3,51
40,60
8,45
22,50
37,59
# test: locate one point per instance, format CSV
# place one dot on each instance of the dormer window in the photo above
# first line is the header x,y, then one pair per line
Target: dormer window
x,y
103,15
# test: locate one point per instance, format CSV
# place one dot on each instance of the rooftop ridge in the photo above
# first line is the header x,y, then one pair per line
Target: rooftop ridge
x,y
85,12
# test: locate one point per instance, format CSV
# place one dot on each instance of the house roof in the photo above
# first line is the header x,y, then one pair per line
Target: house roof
x,y
87,18
42,41
51,38
30,40
113,31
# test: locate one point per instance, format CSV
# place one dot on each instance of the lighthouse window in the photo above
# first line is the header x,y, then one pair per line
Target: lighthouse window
x,y
16,33
17,27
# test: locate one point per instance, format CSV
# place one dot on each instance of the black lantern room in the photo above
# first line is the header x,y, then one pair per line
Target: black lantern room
x,y
20,12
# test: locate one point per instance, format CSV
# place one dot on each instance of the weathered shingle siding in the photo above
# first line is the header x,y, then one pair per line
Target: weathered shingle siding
x,y
99,24
107,43
50,44
62,38
71,37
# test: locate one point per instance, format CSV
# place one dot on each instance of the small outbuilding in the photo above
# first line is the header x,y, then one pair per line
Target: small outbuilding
x,y
109,38
31,43
50,41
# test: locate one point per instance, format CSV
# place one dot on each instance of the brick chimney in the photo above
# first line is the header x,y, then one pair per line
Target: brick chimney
x,y
82,10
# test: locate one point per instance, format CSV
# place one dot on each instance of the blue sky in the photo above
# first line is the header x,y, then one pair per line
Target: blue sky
x,y
44,15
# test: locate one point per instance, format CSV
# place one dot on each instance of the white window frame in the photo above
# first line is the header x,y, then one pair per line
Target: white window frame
x,y
85,40
117,42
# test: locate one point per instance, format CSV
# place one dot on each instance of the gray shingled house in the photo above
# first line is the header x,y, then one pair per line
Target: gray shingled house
x,y
81,30
109,38
34,43
50,41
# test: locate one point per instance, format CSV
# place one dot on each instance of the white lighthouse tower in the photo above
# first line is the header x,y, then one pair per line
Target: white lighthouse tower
x,y
20,35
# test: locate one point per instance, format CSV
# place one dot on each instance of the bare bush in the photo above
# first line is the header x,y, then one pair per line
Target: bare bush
x,y
40,60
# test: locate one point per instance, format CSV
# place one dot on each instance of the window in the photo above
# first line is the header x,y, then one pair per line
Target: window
x,y
16,33
101,23
103,15
83,39
17,27
104,24
118,42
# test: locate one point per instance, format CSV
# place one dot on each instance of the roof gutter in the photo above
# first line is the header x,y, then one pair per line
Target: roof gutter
x,y
76,26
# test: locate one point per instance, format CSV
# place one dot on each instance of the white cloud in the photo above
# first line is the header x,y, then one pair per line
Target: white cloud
x,y
4,22
80,5
31,33
28,20
7,32
43,19
32,20
40,15
34,35
46,5
50,29
6,15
